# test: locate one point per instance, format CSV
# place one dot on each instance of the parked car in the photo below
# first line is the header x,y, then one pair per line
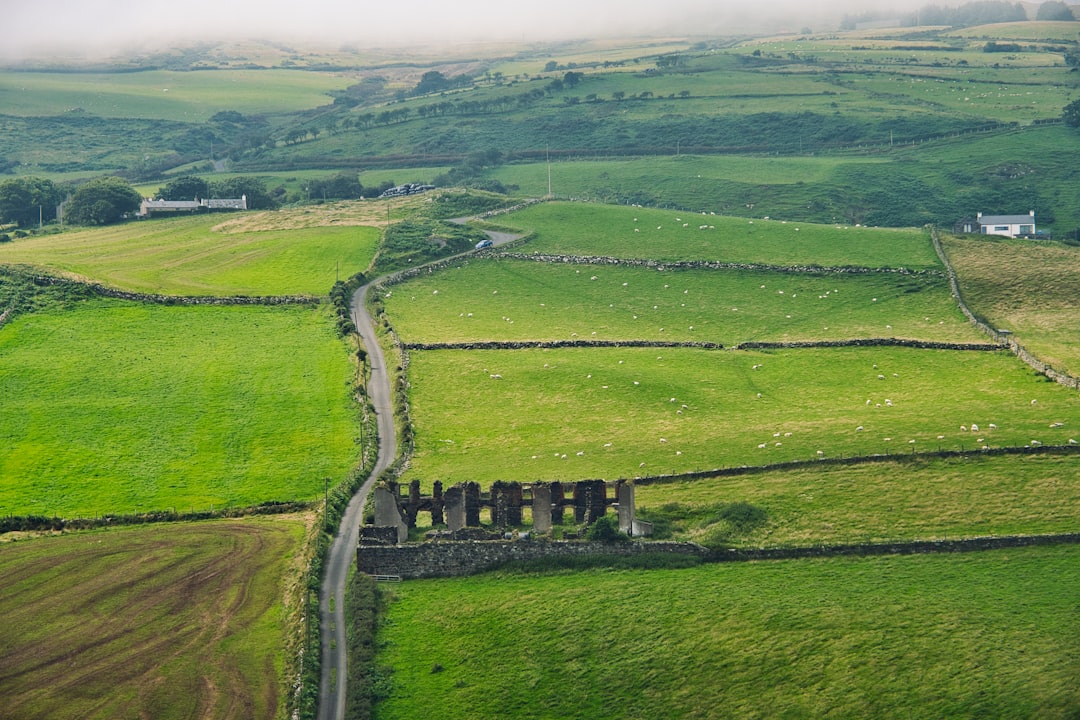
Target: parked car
x,y
484,244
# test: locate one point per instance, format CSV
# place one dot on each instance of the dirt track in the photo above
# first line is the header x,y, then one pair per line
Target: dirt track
x,y
343,549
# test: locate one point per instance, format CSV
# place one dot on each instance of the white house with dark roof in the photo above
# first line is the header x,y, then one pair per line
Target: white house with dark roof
x,y
1005,225
152,207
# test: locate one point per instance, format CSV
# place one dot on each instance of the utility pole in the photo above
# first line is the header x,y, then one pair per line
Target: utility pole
x,y
547,152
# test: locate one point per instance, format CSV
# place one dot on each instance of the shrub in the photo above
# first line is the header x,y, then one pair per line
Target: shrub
x,y
606,529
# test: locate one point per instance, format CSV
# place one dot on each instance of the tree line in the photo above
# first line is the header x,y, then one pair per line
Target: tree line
x,y
29,201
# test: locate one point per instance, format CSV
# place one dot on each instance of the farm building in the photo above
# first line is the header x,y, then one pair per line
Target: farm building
x,y
1005,225
155,207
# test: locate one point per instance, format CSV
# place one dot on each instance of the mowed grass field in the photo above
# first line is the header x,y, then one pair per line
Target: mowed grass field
x,y
204,255
569,414
990,634
118,407
902,498
503,299
177,620
1029,288
670,235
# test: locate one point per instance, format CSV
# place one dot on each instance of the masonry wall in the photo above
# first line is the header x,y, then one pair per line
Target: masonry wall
x,y
455,558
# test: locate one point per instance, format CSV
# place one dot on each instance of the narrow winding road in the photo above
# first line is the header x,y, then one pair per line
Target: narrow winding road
x,y
332,680
342,551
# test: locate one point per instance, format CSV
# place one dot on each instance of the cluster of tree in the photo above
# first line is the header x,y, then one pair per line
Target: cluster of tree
x,y
190,187
1071,114
340,186
981,12
434,81
1054,10
470,172
26,201
102,201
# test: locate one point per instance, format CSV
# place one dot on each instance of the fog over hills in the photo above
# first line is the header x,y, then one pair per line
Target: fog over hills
x,y
74,27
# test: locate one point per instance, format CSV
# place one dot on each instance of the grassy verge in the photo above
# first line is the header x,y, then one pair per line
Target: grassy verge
x,y
116,407
168,622
624,412
876,637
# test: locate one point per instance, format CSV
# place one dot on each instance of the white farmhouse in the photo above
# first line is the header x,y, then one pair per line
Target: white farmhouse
x,y
1006,225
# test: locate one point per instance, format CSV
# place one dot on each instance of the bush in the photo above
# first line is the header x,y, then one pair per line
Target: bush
x,y
606,529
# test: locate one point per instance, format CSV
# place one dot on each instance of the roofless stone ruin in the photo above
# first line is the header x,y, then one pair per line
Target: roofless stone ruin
x,y
460,507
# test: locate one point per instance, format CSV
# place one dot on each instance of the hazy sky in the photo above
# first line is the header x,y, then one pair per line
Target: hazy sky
x,y
74,25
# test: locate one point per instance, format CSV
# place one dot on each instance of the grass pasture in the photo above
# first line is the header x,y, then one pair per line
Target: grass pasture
x,y
191,96
885,637
1029,288
900,499
116,408
506,299
170,621
204,255
669,235
572,414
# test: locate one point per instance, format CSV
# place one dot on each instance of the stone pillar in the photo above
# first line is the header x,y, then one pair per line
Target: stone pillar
x,y
500,502
413,505
437,503
454,501
558,499
541,508
387,512
515,499
472,504
590,500
624,494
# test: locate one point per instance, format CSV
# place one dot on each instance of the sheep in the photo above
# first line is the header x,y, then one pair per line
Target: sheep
x,y
974,427
859,429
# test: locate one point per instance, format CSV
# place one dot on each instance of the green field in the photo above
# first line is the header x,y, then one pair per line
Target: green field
x,y
990,634
1027,288
573,414
173,621
516,300
666,236
117,408
206,255
901,499
166,95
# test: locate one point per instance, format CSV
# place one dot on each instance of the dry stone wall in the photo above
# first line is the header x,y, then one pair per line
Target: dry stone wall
x,y
452,558
455,558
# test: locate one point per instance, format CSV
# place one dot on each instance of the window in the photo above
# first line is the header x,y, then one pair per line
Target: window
x,y
1001,228
1027,229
